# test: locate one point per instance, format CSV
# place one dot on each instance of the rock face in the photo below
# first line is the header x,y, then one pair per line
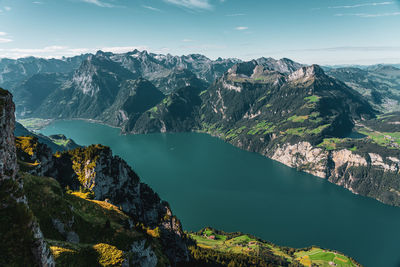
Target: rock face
x,y
11,186
303,156
133,99
110,178
8,159
145,257
355,172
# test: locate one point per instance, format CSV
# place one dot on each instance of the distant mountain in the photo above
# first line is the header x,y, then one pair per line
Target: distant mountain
x,y
154,66
328,67
134,98
251,92
283,65
301,118
92,89
86,86
298,115
178,78
380,84
14,71
31,93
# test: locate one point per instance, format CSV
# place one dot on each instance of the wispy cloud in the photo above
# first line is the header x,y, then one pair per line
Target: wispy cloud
x,y
4,38
241,28
187,40
7,8
191,4
366,15
37,3
99,3
152,8
365,5
235,15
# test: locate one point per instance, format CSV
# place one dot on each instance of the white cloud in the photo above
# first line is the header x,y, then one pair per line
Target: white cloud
x,y
152,8
98,3
5,40
7,8
365,4
241,28
187,40
366,15
37,3
191,4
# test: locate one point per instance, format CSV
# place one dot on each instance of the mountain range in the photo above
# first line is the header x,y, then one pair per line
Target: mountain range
x,y
336,123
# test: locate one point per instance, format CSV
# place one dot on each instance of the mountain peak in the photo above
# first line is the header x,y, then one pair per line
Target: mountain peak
x,y
307,73
244,68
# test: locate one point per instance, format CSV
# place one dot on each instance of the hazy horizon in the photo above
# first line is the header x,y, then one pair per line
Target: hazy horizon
x,y
329,32
150,52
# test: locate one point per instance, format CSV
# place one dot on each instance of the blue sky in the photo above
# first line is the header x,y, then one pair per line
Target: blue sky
x,y
309,31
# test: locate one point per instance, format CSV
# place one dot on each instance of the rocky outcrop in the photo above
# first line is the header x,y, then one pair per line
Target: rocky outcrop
x,y
343,167
110,178
143,256
303,156
37,157
13,197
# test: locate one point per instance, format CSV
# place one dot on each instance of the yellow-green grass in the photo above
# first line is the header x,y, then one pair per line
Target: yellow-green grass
x,y
296,118
301,131
382,138
95,222
247,245
35,124
323,258
312,99
263,127
330,143
67,254
242,244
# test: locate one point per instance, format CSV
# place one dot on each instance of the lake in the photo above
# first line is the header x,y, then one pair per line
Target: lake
x,y
211,183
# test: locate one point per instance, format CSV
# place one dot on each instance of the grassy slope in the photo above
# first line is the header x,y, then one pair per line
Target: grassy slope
x,y
103,229
248,245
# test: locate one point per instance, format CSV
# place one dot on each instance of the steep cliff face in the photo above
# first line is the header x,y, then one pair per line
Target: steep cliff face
x,y
364,173
22,240
94,169
110,177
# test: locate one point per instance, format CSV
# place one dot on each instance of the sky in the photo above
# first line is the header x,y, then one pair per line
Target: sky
x,y
328,32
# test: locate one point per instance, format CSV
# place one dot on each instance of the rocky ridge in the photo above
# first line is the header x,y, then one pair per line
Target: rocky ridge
x,y
30,244
110,178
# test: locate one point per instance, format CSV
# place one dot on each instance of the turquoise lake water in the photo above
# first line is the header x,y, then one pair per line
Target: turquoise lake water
x,y
211,183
